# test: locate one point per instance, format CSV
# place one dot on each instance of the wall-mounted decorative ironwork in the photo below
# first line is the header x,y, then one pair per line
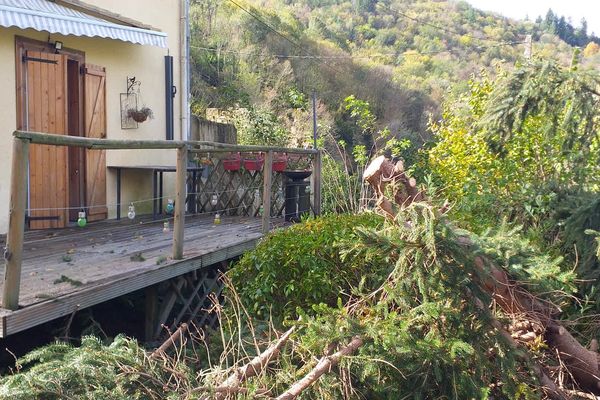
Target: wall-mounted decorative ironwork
x,y
133,109
129,101
133,85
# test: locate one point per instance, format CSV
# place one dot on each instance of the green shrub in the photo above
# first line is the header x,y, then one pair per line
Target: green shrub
x,y
512,144
301,267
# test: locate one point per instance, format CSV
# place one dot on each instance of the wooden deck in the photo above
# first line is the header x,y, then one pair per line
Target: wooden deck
x,y
73,268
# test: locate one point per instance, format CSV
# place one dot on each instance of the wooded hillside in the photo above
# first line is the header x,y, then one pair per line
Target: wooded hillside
x,y
402,57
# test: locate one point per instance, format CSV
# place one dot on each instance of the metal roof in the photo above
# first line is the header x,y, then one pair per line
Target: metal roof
x,y
44,15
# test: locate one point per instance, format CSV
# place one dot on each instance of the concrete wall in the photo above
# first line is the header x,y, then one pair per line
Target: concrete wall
x,y
202,129
121,60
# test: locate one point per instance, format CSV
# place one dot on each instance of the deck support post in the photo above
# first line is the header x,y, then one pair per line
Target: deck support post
x,y
317,165
267,183
13,254
179,213
151,321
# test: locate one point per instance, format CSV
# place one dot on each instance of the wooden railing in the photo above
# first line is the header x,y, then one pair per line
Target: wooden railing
x,y
228,185
234,199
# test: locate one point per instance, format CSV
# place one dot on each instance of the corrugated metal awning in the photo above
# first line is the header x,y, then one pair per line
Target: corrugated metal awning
x,y
44,15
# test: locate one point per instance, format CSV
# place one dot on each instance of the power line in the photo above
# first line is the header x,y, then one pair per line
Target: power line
x,y
263,22
350,56
316,57
309,56
272,29
439,27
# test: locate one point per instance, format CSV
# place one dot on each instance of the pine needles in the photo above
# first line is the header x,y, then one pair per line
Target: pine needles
x,y
417,321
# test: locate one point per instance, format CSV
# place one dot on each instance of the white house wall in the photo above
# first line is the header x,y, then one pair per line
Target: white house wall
x,y
121,60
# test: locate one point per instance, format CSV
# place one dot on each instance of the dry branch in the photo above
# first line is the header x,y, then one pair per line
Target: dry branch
x,y
323,366
251,369
171,341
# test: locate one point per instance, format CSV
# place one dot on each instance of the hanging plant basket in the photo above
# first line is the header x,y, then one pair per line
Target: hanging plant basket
x,y
140,115
280,162
233,162
254,163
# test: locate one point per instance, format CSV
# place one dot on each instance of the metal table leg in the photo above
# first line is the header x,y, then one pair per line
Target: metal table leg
x,y
118,193
160,192
154,193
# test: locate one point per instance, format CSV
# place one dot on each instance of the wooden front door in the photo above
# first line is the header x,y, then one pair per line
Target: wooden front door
x,y
46,111
95,127
60,94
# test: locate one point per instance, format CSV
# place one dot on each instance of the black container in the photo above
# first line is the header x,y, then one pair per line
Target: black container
x,y
297,200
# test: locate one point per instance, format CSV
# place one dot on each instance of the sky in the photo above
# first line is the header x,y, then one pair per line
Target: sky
x,y
519,9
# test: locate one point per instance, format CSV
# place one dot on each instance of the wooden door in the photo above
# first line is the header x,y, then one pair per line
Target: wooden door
x,y
95,127
46,111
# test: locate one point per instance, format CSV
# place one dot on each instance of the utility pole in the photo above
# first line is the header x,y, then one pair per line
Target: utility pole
x,y
528,47
314,106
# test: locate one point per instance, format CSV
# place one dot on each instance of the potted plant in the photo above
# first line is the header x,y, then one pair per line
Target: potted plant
x,y
140,115
280,162
233,162
203,161
254,162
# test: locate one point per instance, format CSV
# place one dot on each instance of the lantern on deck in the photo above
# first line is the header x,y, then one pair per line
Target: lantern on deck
x,y
131,212
170,206
81,220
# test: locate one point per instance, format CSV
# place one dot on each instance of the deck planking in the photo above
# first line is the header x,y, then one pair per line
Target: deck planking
x,y
101,266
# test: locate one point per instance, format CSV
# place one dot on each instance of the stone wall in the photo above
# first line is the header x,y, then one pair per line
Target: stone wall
x,y
203,129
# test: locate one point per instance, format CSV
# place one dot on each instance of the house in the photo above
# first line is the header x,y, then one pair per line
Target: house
x,y
77,75
76,68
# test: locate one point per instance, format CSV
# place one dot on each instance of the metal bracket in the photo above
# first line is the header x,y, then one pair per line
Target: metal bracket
x,y
42,60
131,84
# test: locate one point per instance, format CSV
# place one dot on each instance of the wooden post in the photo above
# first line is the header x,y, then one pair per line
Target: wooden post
x,y
13,254
179,213
151,320
267,182
317,162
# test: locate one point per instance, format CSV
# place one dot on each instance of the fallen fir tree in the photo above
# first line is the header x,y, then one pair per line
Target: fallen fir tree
x,y
420,310
532,317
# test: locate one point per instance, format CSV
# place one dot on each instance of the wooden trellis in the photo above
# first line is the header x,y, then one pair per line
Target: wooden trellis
x,y
186,298
238,192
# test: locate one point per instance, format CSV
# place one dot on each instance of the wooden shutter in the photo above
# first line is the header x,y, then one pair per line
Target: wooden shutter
x,y
95,127
46,111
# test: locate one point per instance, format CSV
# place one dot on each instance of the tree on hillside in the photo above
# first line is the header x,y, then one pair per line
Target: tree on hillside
x,y
582,35
550,21
565,30
591,49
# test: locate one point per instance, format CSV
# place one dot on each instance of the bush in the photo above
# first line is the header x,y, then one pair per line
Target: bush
x,y
301,267
259,127
511,145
